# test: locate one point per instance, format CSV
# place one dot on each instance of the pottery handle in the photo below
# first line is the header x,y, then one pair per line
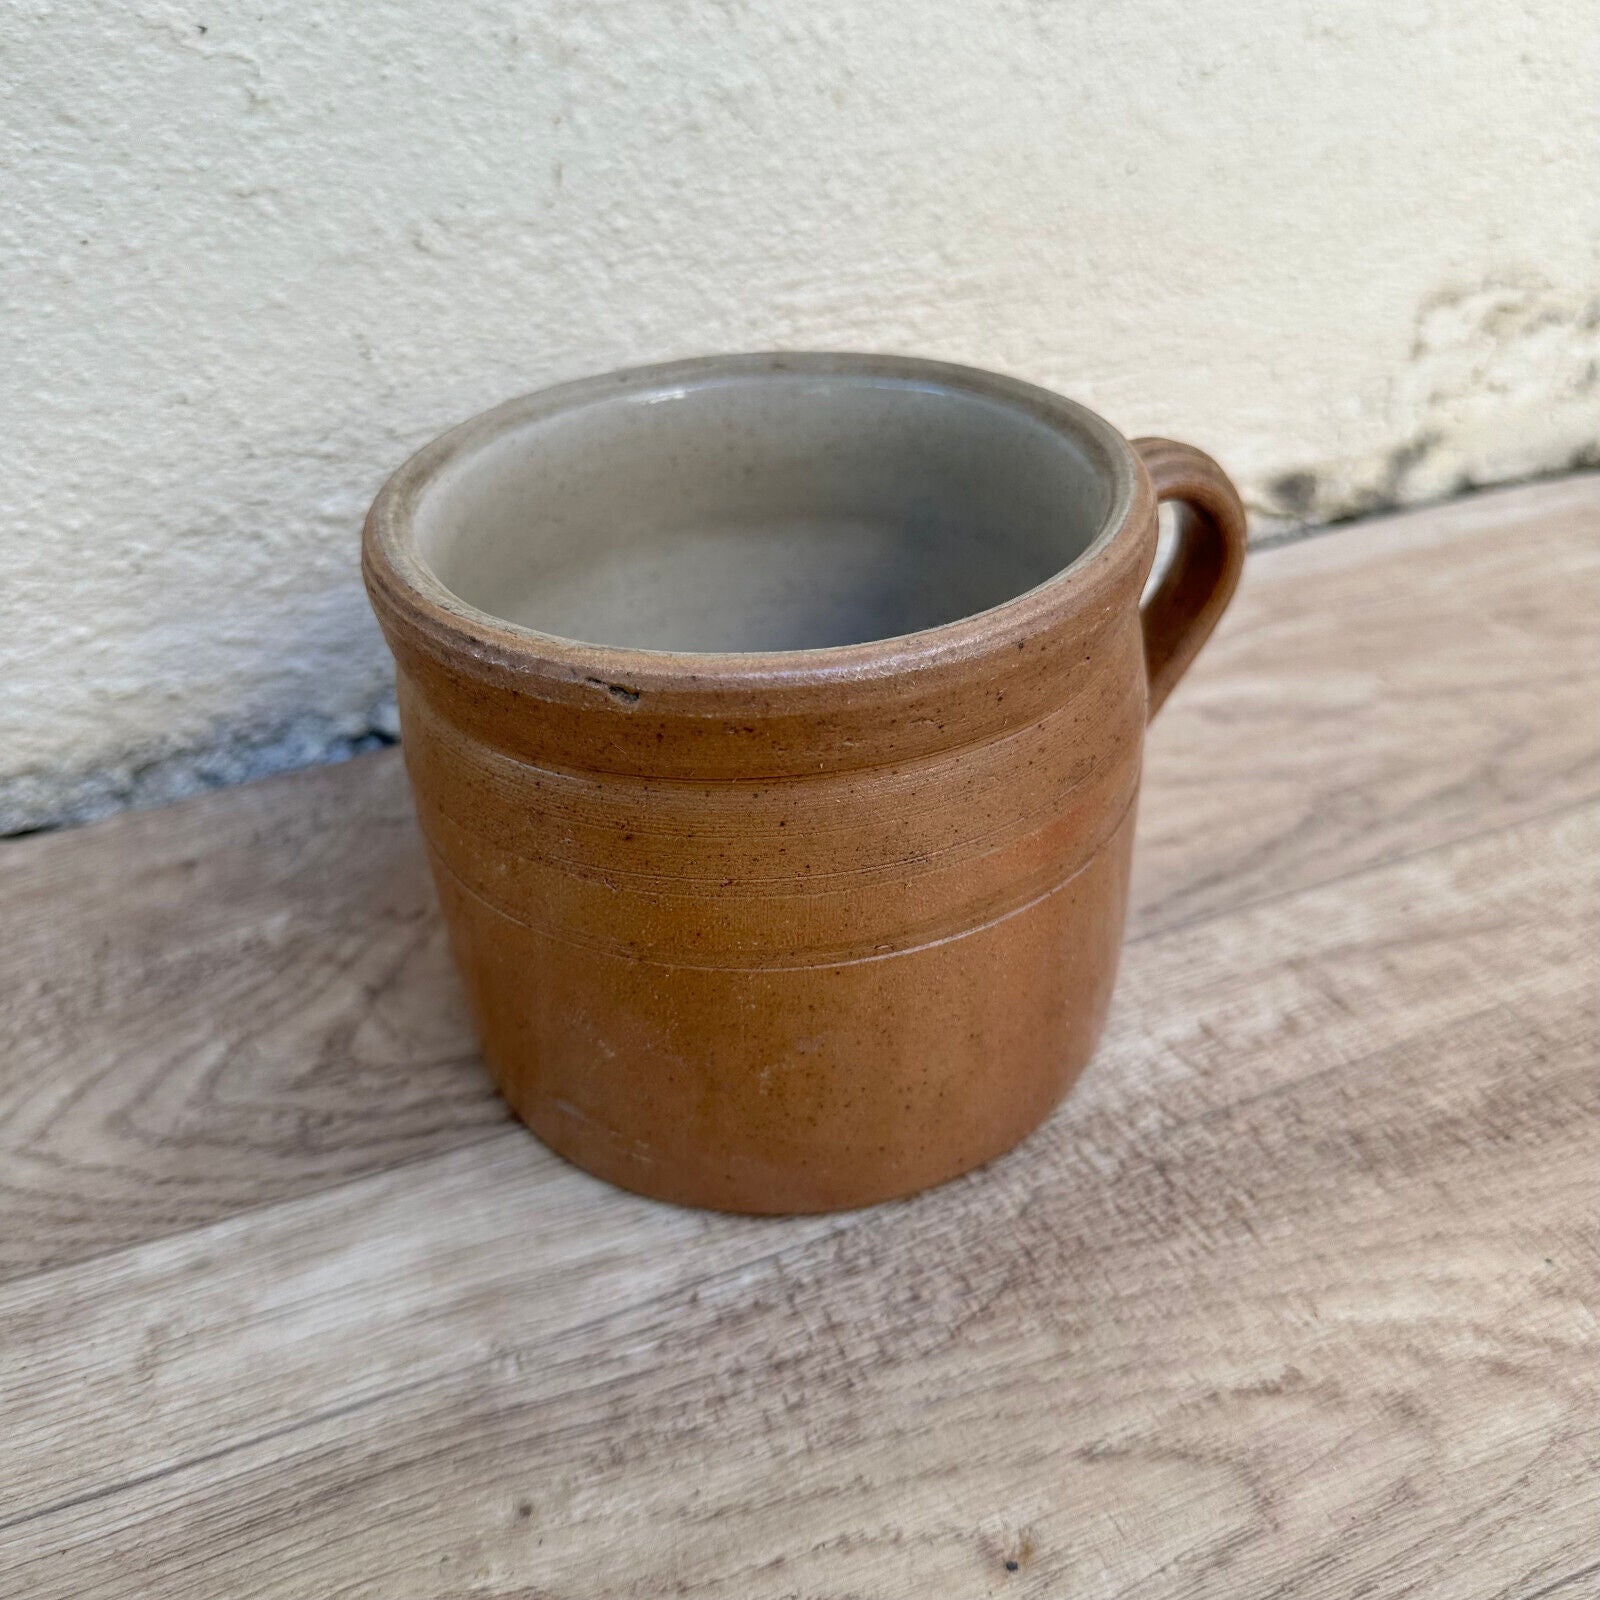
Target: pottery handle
x,y
1199,582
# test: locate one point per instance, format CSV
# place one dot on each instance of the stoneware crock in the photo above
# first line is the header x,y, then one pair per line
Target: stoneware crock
x,y
774,724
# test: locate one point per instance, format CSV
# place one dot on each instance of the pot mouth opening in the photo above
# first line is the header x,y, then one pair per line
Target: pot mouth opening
x,y
780,509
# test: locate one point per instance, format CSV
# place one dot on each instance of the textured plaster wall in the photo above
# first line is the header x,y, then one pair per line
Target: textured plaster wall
x,y
250,257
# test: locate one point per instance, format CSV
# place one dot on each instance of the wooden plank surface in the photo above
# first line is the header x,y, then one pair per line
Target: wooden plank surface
x,y
247,998
1295,1296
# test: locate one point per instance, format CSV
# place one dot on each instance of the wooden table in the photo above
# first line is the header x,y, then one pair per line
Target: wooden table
x,y
1297,1296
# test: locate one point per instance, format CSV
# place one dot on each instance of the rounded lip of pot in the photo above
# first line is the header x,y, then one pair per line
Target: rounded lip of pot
x,y
406,592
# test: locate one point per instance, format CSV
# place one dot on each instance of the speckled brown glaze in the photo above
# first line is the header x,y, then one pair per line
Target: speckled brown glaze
x,y
788,929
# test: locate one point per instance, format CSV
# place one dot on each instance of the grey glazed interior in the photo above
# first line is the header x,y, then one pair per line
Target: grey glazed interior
x,y
761,512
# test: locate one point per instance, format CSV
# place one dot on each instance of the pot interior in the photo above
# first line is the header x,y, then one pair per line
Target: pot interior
x,y
761,511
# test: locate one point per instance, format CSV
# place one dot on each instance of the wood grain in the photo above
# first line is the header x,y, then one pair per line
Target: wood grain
x,y
247,998
217,1006
1378,690
1217,1308
1295,1297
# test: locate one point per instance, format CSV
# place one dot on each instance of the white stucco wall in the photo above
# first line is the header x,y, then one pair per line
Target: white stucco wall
x,y
250,257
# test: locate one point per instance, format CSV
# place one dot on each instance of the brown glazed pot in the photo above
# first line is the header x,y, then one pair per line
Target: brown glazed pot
x,y
802,884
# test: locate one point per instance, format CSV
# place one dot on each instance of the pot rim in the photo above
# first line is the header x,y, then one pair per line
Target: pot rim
x,y
406,591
